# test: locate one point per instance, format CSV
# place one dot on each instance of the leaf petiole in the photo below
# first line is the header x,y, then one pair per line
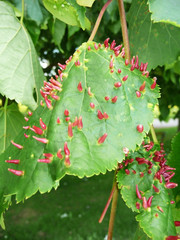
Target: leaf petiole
x,y
22,14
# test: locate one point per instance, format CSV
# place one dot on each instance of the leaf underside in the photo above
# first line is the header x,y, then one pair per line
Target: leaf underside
x,y
165,11
156,43
173,159
11,122
23,74
69,12
87,157
155,223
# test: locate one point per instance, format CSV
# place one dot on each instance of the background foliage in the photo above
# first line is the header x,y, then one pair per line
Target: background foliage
x,y
50,32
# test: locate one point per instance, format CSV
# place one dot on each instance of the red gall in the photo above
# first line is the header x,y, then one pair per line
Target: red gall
x,y
37,130
58,120
127,171
67,119
14,161
16,145
45,160
79,87
138,192
138,94
140,128
48,155
16,172
125,78
106,44
67,162
106,98
114,99
142,87
117,84
102,138
42,124
66,112
80,123
145,206
66,149
70,132
92,105
105,115
59,154
42,140
100,115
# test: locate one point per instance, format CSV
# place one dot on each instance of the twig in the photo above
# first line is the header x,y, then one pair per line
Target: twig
x,y
99,20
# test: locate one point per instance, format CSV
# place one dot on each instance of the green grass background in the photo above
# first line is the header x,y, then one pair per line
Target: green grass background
x,y
72,211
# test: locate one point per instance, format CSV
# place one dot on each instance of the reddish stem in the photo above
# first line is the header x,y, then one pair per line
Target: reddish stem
x,y
113,212
99,20
107,204
124,29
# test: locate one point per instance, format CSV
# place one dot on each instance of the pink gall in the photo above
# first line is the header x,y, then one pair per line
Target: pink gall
x,y
102,138
114,99
79,87
59,154
70,132
140,128
80,123
66,149
117,84
14,161
42,140
16,145
16,172
42,124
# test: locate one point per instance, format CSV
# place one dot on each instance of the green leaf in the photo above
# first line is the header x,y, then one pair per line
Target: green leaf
x,y
21,73
58,32
87,156
69,12
11,122
140,235
33,30
176,215
155,220
173,158
165,11
156,43
33,10
85,3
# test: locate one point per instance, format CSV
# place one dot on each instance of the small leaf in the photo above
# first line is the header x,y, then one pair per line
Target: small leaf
x,y
11,122
69,12
165,11
85,3
140,235
58,32
145,172
33,10
156,43
173,158
19,66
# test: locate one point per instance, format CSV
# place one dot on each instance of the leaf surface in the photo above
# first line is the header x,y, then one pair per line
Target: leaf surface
x,y
33,10
11,122
97,70
69,12
20,70
156,43
165,11
58,32
173,158
85,3
155,220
